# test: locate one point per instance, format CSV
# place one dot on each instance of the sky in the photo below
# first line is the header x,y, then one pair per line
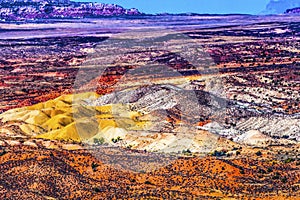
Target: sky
x,y
192,6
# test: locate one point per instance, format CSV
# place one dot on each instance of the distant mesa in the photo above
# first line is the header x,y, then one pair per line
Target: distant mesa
x,y
17,10
36,1
280,6
293,11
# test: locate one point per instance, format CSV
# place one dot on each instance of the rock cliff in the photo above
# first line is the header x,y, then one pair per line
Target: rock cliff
x,y
16,10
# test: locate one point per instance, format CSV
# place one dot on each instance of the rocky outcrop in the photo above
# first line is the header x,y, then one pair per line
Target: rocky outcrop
x,y
293,11
15,10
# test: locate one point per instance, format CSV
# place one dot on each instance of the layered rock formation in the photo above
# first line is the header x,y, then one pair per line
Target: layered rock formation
x,y
16,10
151,121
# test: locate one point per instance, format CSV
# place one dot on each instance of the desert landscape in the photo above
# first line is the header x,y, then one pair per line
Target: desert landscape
x,y
150,107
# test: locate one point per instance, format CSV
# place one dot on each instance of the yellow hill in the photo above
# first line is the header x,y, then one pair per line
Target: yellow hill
x,y
67,118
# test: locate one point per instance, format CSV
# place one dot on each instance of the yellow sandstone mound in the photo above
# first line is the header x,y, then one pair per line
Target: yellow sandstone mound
x,y
67,118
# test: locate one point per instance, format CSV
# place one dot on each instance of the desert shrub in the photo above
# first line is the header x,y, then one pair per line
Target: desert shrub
x,y
269,170
94,166
284,180
148,183
289,160
115,140
99,141
261,171
3,152
97,189
186,151
219,153
235,148
276,176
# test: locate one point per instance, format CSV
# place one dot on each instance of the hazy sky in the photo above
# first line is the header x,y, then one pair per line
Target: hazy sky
x,y
197,6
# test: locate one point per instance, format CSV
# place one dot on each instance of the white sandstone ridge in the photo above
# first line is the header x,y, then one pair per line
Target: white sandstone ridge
x,y
253,138
276,127
183,138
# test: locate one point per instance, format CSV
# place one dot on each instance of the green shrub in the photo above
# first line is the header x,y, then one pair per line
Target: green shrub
x,y
97,189
115,140
148,183
186,151
3,152
289,160
94,166
284,180
219,153
99,141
